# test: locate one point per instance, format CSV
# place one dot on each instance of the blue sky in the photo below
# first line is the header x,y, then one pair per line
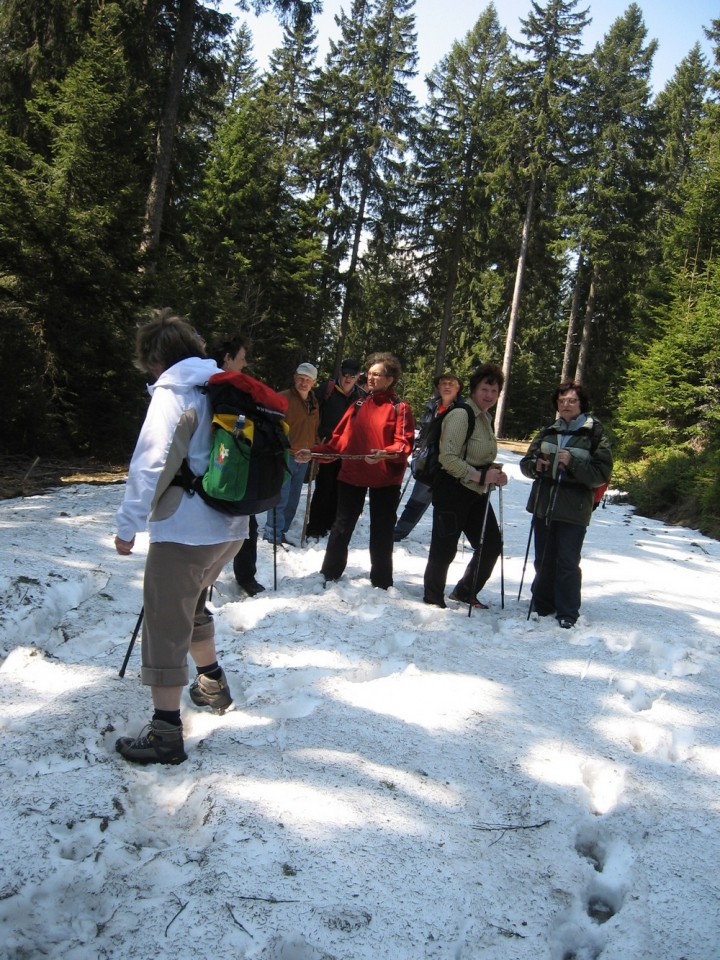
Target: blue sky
x,y
675,24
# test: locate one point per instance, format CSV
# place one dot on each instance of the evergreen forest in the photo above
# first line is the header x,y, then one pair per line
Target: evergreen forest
x,y
542,209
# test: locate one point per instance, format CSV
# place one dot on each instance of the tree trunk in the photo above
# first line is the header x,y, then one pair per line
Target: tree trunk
x,y
155,205
515,309
351,278
572,323
587,329
453,271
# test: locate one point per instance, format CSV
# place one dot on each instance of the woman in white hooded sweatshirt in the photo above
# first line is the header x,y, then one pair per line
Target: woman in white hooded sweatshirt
x,y
190,543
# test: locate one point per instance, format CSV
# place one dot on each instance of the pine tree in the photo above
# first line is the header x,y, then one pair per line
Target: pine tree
x,y
366,117
459,234
614,198
669,411
540,143
68,244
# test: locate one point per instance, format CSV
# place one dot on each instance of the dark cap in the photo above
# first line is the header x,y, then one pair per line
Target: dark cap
x,y
448,375
350,367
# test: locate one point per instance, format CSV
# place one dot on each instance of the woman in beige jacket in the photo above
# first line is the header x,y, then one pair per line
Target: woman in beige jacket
x,y
461,495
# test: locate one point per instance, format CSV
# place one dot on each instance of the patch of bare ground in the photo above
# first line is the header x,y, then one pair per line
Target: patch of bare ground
x,y
516,446
27,476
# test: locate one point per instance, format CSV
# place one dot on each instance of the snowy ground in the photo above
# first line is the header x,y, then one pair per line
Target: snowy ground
x,y
398,782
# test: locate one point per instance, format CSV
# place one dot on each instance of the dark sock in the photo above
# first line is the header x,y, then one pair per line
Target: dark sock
x,y
212,671
169,716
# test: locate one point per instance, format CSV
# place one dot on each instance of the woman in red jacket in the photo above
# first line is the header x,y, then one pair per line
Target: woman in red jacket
x,y
373,441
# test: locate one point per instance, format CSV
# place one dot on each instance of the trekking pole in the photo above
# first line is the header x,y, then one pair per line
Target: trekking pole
x,y
530,533
136,631
311,477
476,571
527,552
502,549
274,516
548,523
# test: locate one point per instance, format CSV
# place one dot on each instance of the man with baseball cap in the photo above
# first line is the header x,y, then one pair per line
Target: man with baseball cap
x,y
303,418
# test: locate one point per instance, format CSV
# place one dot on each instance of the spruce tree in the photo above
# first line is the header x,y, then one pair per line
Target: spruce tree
x,y
611,205
366,124
545,85
460,231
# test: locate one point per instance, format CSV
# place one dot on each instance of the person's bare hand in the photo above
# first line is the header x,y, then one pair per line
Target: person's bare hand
x,y
495,475
124,547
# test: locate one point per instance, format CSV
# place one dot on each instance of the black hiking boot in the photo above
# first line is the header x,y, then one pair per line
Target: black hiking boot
x,y
158,742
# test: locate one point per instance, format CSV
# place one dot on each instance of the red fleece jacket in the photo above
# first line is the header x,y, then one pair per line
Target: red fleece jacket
x,y
377,422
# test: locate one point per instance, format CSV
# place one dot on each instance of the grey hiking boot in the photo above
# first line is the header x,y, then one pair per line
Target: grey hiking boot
x,y
158,742
215,694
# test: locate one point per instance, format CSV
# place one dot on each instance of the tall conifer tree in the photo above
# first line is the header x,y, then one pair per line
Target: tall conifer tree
x,y
459,227
367,122
545,83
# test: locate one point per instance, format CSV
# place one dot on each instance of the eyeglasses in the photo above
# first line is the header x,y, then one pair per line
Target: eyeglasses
x,y
570,400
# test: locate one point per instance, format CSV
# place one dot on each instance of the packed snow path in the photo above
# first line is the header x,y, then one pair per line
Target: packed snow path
x,y
398,782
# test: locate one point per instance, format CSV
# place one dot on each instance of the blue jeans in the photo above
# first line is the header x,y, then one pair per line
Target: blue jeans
x,y
287,507
418,502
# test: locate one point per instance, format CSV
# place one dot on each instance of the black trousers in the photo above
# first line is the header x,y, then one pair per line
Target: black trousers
x,y
459,510
323,505
383,514
558,577
245,561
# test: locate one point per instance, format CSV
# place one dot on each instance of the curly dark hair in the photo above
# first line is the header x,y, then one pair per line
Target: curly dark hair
x,y
229,346
487,371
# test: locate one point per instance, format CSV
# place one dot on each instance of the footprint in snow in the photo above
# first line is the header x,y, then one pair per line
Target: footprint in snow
x,y
638,699
604,782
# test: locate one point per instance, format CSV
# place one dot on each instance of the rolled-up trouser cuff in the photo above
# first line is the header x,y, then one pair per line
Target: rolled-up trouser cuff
x,y
158,677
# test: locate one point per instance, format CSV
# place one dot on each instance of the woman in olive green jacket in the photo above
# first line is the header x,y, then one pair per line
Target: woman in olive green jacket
x,y
567,461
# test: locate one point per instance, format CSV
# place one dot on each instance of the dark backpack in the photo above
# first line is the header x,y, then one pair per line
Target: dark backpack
x,y
250,448
425,465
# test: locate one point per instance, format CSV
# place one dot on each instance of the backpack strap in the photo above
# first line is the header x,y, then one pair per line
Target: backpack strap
x,y
186,479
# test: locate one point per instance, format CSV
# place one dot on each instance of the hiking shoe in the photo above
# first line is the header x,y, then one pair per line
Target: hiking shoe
x,y
158,742
475,604
251,587
215,694
566,623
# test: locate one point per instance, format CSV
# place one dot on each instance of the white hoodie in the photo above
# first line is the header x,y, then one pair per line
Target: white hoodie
x,y
177,425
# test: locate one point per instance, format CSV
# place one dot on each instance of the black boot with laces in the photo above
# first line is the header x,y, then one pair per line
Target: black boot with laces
x,y
158,742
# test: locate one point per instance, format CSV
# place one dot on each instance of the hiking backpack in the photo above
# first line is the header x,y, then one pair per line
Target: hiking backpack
x,y
425,465
250,448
